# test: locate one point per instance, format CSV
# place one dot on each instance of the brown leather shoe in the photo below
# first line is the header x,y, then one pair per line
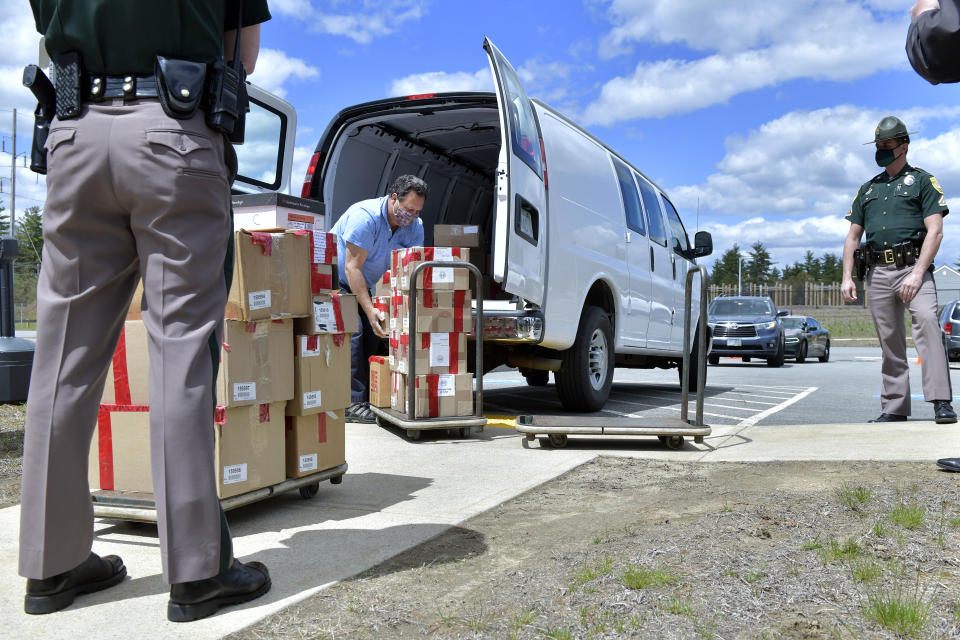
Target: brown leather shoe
x,y
55,593
242,582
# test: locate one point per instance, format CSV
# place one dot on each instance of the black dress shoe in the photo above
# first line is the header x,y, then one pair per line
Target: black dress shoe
x,y
242,582
55,593
943,412
949,464
888,417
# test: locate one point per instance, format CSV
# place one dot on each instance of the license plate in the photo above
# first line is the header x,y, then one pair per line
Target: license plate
x,y
733,342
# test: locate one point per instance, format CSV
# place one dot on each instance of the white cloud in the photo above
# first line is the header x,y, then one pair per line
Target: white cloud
x,y
756,44
361,22
275,67
442,82
19,47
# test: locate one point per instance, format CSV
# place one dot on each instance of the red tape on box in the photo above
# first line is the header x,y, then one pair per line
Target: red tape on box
x,y
337,311
339,339
322,427
121,378
433,391
264,412
105,440
250,327
220,415
264,241
320,282
459,302
454,353
428,298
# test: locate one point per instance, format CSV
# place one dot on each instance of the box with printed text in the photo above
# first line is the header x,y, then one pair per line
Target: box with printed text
x,y
405,261
271,277
437,395
379,381
437,312
330,313
314,443
321,374
434,352
256,363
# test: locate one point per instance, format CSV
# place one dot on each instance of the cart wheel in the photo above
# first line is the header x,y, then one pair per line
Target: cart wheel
x,y
380,422
464,432
525,443
674,442
413,434
558,440
662,439
336,480
307,491
698,439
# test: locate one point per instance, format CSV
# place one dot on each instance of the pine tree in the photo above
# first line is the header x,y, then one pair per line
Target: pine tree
x,y
30,238
725,267
760,269
811,266
4,221
831,269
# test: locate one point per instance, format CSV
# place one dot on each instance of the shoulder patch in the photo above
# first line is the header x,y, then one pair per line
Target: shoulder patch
x,y
942,202
936,185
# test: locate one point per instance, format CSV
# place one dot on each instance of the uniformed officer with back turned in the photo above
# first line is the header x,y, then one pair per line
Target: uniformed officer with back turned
x,y
901,211
138,187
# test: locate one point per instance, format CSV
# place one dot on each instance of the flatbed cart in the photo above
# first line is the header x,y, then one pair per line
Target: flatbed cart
x,y
670,431
140,507
464,425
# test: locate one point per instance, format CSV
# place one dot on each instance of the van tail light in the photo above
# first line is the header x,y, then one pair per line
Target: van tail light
x,y
543,161
308,179
948,328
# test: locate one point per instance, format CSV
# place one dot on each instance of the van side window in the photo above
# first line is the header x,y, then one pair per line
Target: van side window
x,y
631,199
682,242
525,139
652,206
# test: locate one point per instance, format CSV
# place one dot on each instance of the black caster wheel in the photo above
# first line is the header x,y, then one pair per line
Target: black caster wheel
x,y
309,490
558,440
674,442
413,434
336,480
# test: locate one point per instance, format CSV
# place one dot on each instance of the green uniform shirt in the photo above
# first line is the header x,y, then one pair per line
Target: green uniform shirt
x,y
890,210
119,37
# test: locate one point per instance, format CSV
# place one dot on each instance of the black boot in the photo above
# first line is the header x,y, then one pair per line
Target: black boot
x,y
889,417
55,593
943,412
242,582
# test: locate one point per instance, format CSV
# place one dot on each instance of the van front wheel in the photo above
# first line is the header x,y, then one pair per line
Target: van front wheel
x,y
586,375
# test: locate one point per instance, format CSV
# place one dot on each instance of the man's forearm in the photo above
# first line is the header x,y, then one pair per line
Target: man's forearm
x,y
849,246
358,285
928,251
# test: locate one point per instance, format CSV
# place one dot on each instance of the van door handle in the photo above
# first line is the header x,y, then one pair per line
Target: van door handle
x,y
651,260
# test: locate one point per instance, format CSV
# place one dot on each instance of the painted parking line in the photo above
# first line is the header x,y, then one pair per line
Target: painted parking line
x,y
641,414
780,407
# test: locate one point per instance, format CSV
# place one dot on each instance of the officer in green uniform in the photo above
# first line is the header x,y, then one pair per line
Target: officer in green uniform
x,y
901,209
138,188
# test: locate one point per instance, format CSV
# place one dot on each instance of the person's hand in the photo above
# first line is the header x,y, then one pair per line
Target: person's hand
x,y
910,286
923,5
848,290
377,322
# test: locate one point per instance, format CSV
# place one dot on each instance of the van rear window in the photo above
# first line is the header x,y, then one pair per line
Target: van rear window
x,y
654,216
631,199
524,135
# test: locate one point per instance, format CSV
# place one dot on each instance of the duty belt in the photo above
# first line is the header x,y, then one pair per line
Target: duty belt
x,y
101,87
882,257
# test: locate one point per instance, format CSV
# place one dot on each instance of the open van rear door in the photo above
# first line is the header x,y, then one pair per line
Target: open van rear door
x,y
520,231
266,157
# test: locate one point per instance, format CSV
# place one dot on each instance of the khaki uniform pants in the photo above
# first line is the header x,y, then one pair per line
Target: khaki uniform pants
x,y
883,286
130,193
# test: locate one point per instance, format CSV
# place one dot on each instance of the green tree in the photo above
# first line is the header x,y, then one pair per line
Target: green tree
x,y
811,266
4,221
831,269
30,238
725,267
760,269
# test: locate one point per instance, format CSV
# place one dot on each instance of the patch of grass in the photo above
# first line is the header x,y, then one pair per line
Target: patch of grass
x,y
558,634
753,576
679,606
593,571
853,496
638,577
865,570
813,545
903,613
907,516
522,619
954,522
879,528
845,552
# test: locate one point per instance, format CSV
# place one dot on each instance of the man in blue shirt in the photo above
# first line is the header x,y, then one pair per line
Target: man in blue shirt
x,y
366,234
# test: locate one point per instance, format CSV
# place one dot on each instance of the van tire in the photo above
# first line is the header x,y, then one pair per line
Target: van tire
x,y
579,387
536,377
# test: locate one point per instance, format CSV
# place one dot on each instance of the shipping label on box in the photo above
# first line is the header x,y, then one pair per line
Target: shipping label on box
x,y
324,247
321,374
249,448
314,443
126,382
405,261
256,363
441,396
435,352
271,276
458,235
331,313
379,381
437,312
120,449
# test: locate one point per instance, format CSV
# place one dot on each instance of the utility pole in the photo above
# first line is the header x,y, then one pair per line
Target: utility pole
x,y
13,176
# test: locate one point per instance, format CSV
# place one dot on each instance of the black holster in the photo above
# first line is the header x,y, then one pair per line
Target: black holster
x,y
37,81
860,261
180,86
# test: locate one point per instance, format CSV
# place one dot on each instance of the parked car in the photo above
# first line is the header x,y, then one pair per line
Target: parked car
x,y
806,338
746,326
587,260
950,324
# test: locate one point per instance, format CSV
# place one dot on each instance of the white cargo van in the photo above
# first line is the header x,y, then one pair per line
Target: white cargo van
x,y
588,257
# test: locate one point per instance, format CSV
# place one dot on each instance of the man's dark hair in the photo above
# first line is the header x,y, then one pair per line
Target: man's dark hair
x,y
407,183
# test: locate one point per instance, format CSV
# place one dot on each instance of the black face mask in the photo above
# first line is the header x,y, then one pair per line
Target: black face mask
x,y
885,157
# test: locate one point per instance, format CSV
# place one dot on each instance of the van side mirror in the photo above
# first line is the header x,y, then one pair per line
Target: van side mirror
x,y
702,244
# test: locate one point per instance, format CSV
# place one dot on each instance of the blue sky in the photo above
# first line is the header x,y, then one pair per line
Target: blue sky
x,y
757,110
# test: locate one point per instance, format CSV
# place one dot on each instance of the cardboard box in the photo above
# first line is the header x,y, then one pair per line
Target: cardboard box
x,y
321,374
382,303
315,443
379,381
276,210
435,352
256,363
404,261
120,450
271,277
331,313
437,395
249,448
127,376
437,312
398,392
384,286
458,235
321,278
324,257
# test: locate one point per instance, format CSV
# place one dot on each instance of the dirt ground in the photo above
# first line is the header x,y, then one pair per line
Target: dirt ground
x,y
11,452
635,548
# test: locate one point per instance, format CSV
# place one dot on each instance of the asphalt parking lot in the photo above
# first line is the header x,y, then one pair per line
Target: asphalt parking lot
x,y
845,390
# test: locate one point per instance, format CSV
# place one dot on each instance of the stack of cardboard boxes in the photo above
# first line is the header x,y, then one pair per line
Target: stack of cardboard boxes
x,y
283,380
436,348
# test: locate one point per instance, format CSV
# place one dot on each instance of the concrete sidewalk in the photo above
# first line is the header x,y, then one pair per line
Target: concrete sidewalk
x,y
396,495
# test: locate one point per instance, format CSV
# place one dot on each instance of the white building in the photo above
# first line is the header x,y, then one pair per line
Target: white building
x,y
948,284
